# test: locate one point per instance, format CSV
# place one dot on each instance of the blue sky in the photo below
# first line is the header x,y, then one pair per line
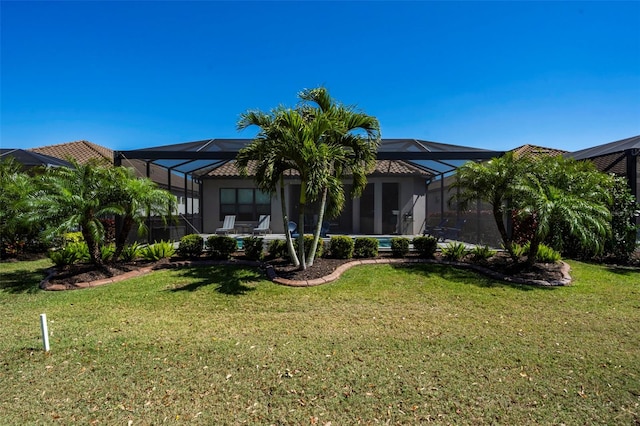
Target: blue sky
x,y
491,75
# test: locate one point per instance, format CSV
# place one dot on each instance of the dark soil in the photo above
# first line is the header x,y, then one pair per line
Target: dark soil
x,y
71,276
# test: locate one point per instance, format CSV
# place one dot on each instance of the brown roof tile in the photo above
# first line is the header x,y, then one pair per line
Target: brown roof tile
x,y
82,151
383,167
536,151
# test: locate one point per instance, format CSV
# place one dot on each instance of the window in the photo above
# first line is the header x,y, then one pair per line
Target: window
x,y
246,203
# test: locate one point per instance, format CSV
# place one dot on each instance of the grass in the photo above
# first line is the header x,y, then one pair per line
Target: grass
x,y
384,344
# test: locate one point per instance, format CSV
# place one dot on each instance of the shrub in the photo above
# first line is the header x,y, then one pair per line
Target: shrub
x,y
131,252
221,246
158,250
191,245
341,247
454,251
547,255
519,250
253,247
278,249
107,252
425,246
72,237
399,246
479,253
365,247
308,240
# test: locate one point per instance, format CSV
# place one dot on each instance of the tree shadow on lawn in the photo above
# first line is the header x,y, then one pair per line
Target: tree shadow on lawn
x,y
227,279
22,281
465,275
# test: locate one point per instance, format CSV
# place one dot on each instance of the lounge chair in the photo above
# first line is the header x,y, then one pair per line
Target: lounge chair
x,y
434,230
452,233
263,225
228,226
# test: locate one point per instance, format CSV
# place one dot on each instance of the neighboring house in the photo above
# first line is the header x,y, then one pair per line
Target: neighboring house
x,y
181,185
30,160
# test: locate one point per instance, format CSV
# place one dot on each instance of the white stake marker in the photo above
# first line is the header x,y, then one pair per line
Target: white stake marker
x,y
45,331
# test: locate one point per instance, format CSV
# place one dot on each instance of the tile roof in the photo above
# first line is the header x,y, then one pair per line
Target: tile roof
x,y
383,167
536,151
82,151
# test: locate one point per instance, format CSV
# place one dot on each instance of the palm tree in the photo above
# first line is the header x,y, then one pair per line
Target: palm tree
x,y
15,186
71,198
348,147
137,198
565,194
286,141
494,182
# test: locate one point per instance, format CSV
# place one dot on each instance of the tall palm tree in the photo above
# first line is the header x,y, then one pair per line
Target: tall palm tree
x,y
286,141
348,147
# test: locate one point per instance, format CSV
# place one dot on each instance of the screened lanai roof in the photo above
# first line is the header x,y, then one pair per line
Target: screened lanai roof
x,y
198,158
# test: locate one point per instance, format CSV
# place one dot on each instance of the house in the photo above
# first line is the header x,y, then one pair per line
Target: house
x,y
394,201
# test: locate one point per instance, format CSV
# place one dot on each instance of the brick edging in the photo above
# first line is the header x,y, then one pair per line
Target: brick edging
x,y
271,274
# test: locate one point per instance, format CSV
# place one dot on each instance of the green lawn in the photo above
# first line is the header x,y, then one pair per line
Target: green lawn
x,y
384,344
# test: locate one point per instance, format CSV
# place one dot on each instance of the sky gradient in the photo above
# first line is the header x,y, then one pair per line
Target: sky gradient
x,y
493,75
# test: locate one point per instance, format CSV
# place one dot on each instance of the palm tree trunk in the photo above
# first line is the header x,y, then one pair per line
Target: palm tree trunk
x,y
121,238
92,245
285,220
316,235
498,217
303,203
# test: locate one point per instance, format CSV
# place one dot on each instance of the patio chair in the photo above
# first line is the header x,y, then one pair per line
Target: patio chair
x,y
292,226
263,225
228,225
452,233
433,230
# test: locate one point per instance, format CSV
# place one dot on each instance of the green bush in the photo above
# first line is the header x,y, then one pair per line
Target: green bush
x,y
520,250
107,252
277,249
253,247
221,246
158,250
547,255
399,246
454,251
191,245
72,237
365,247
425,246
341,247
308,240
131,252
479,253
69,254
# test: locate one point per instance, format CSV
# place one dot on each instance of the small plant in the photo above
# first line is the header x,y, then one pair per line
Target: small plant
x,y
221,246
191,245
253,247
454,251
341,247
277,249
158,250
399,246
107,251
365,247
131,252
479,253
519,250
425,246
547,255
69,254
72,237
308,240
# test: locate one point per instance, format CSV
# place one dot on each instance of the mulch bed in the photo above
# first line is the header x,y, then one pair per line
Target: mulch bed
x,y
500,266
